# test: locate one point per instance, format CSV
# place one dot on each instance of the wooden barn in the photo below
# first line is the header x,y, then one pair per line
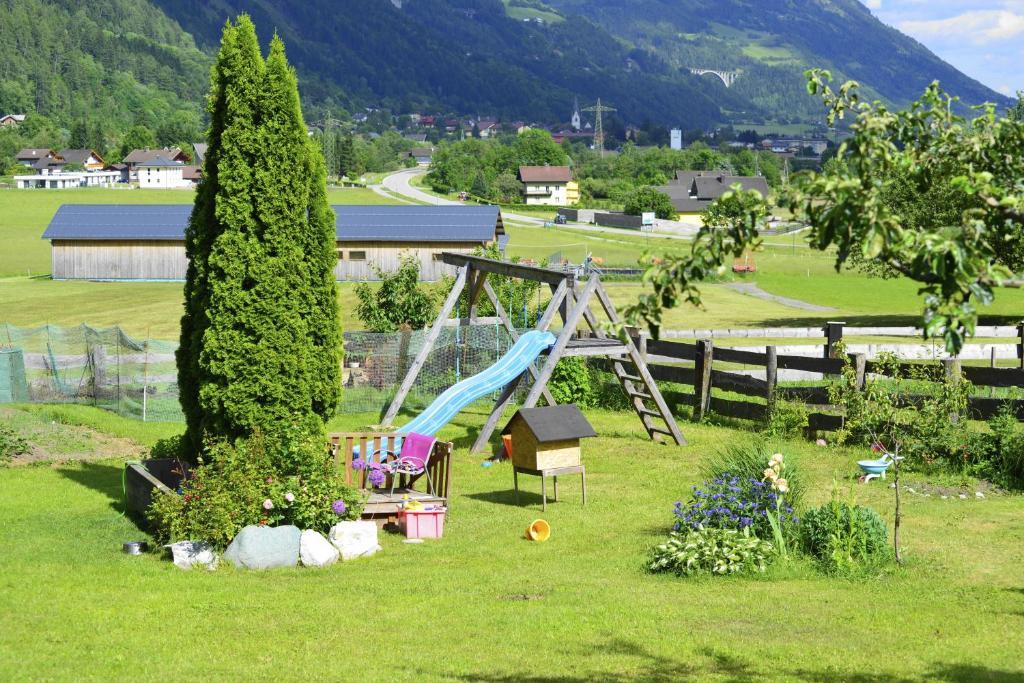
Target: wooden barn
x,y
147,242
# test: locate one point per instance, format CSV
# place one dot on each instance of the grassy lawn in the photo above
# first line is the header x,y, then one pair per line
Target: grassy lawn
x,y
483,604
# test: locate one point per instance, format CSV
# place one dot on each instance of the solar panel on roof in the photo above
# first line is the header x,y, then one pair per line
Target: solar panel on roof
x,y
352,223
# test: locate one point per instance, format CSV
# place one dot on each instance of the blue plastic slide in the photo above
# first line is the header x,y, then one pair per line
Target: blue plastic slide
x,y
450,403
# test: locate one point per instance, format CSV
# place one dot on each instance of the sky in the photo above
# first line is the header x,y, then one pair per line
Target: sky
x,y
982,38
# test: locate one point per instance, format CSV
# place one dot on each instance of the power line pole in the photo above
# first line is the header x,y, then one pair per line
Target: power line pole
x,y
599,109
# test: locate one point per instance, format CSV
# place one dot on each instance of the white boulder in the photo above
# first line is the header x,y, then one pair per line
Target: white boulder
x,y
355,539
187,554
316,551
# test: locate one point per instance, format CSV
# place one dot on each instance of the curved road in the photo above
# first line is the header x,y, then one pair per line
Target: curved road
x,y
399,183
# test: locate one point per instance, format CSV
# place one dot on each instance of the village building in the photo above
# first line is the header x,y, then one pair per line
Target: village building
x,y
422,155
162,174
29,157
199,153
59,180
693,191
140,156
11,119
147,242
88,159
549,185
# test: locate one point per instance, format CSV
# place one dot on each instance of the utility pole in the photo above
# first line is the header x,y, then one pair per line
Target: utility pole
x,y
599,109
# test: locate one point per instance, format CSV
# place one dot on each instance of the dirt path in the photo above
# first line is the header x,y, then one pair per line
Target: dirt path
x,y
50,441
751,289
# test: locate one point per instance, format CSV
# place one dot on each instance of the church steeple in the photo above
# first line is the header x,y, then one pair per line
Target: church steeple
x,y
577,120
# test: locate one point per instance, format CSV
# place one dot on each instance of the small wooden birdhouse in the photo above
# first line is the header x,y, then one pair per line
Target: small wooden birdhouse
x,y
545,438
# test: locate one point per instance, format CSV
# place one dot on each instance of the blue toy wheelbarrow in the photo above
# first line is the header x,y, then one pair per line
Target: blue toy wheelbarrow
x,y
875,468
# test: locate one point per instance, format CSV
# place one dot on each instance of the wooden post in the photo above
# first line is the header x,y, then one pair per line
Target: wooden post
x,y
992,364
771,375
951,366
702,378
428,345
860,362
1020,344
474,294
833,335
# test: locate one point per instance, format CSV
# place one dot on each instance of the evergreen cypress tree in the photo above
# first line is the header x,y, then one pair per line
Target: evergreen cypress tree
x,y
259,336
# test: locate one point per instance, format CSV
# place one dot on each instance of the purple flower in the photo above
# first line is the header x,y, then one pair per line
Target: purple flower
x,y
358,464
339,507
376,475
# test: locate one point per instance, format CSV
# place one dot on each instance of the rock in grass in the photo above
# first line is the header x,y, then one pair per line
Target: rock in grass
x,y
355,539
263,547
316,551
187,554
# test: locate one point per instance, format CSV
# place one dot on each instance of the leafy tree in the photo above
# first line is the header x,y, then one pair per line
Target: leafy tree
x,y
345,156
137,137
181,128
479,187
507,188
536,147
959,258
400,301
259,347
646,199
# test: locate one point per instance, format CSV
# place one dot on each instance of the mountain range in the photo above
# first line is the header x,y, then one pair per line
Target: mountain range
x,y
522,59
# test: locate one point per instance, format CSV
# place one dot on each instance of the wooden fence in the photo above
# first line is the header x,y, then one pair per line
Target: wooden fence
x,y
663,358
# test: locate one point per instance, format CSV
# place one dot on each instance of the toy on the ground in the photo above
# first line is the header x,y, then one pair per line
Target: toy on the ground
x,y
875,468
538,531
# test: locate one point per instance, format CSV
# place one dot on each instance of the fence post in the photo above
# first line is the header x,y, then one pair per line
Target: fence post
x,y
951,366
833,335
639,338
702,378
771,373
1020,343
860,362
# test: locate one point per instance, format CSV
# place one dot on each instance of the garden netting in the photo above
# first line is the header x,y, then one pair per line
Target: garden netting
x,y
137,377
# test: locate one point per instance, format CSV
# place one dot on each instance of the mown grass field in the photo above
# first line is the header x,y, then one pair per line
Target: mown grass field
x,y
483,604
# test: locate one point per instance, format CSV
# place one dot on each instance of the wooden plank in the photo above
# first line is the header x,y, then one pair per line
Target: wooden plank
x,y
826,366
428,345
739,356
553,306
771,375
924,370
474,294
985,408
677,350
812,395
673,373
480,445
994,377
597,351
824,422
741,409
702,378
517,270
739,384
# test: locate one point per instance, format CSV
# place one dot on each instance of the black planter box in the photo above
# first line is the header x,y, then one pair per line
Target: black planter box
x,y
141,480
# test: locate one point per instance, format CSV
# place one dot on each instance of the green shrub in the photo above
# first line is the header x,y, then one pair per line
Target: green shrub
x,y
749,461
260,480
785,419
172,447
844,538
12,444
999,455
712,551
570,382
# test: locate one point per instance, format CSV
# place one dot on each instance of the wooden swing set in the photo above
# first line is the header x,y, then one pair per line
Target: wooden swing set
x,y
570,301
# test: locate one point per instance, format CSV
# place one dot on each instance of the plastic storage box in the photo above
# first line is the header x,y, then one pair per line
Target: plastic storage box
x,y
422,523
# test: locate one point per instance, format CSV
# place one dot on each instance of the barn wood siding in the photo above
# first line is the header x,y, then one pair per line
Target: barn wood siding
x,y
118,260
165,260
387,257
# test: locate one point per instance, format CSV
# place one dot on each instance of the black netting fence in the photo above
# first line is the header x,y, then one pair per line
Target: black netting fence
x,y
137,377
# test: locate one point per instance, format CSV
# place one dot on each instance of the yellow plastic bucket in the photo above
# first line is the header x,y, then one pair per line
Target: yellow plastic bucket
x,y
539,530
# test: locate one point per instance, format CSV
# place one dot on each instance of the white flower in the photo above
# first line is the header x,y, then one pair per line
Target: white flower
x,y
770,474
776,460
781,485
290,497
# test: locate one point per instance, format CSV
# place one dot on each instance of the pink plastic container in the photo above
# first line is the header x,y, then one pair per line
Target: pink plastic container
x,y
422,523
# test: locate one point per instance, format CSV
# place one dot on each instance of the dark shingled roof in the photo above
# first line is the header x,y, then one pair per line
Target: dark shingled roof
x,y
412,223
554,423
545,174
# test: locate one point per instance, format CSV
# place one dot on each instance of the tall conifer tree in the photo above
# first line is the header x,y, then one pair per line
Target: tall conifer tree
x,y
259,336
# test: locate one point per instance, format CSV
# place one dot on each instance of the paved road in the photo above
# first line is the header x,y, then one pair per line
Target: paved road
x,y
400,184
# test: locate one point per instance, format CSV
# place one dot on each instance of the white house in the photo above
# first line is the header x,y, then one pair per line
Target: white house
x,y
162,174
11,119
549,185
64,181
